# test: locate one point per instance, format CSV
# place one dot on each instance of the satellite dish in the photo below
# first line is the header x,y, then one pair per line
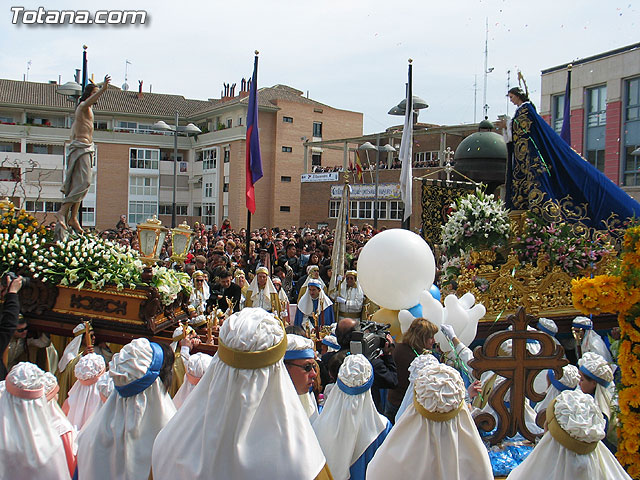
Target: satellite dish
x,y
125,86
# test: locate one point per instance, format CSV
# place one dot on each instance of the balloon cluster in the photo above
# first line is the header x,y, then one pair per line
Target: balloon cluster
x,y
396,269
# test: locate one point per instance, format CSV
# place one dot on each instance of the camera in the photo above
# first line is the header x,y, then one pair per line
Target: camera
x,y
9,277
369,339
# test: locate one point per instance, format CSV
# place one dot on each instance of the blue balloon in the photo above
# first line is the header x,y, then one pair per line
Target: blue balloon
x,y
435,292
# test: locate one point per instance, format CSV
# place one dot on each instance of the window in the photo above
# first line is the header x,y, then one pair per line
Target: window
x,y
316,159
4,119
227,155
140,211
285,208
197,210
144,158
317,129
6,147
287,119
8,174
365,209
427,159
165,209
287,149
597,106
145,186
557,114
182,181
88,216
396,210
40,149
208,213
209,158
631,131
229,122
632,110
42,206
239,121
225,187
334,206
208,190
285,179
317,110
596,158
382,210
100,125
35,119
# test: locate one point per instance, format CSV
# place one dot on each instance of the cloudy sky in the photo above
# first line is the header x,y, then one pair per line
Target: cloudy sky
x,y
349,54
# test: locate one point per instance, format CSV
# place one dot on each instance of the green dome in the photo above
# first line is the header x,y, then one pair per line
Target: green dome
x,y
482,156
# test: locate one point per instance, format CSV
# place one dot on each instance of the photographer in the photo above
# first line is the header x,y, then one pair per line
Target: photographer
x,y
9,289
384,367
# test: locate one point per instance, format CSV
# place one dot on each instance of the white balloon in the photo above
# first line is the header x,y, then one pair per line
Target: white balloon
x,y
394,267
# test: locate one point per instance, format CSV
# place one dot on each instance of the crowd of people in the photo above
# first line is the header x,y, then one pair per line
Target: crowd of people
x,y
279,399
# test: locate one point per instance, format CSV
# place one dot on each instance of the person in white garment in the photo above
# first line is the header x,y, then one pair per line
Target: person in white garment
x,y
350,429
248,423
30,444
84,397
596,379
549,327
350,297
68,433
196,366
571,448
117,441
262,292
435,438
569,381
591,341
301,365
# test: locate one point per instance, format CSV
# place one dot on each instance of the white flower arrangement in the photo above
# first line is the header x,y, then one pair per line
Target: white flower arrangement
x,y
478,222
87,262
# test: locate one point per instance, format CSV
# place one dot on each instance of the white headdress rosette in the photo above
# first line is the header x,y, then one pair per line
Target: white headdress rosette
x,y
416,365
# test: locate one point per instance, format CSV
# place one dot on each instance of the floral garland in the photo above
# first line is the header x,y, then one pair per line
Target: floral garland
x,y
558,243
621,294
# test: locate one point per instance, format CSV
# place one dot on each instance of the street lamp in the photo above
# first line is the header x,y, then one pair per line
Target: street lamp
x,y
188,131
386,148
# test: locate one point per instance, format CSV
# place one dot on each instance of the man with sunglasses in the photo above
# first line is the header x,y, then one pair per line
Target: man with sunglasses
x,y
9,288
301,365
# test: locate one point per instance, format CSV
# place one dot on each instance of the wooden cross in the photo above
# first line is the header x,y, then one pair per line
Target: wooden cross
x,y
520,370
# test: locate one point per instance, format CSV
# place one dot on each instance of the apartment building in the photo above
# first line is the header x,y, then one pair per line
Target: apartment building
x,y
605,111
135,162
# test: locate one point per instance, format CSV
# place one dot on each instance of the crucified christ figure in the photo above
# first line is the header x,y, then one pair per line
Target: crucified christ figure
x,y
79,160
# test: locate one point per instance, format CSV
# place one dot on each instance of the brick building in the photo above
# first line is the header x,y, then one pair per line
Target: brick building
x,y
134,162
605,111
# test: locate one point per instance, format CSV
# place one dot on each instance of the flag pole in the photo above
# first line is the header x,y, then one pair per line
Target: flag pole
x,y
406,152
252,145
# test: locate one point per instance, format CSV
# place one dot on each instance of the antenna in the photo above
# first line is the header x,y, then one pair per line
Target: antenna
x,y
487,70
475,97
28,68
125,85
